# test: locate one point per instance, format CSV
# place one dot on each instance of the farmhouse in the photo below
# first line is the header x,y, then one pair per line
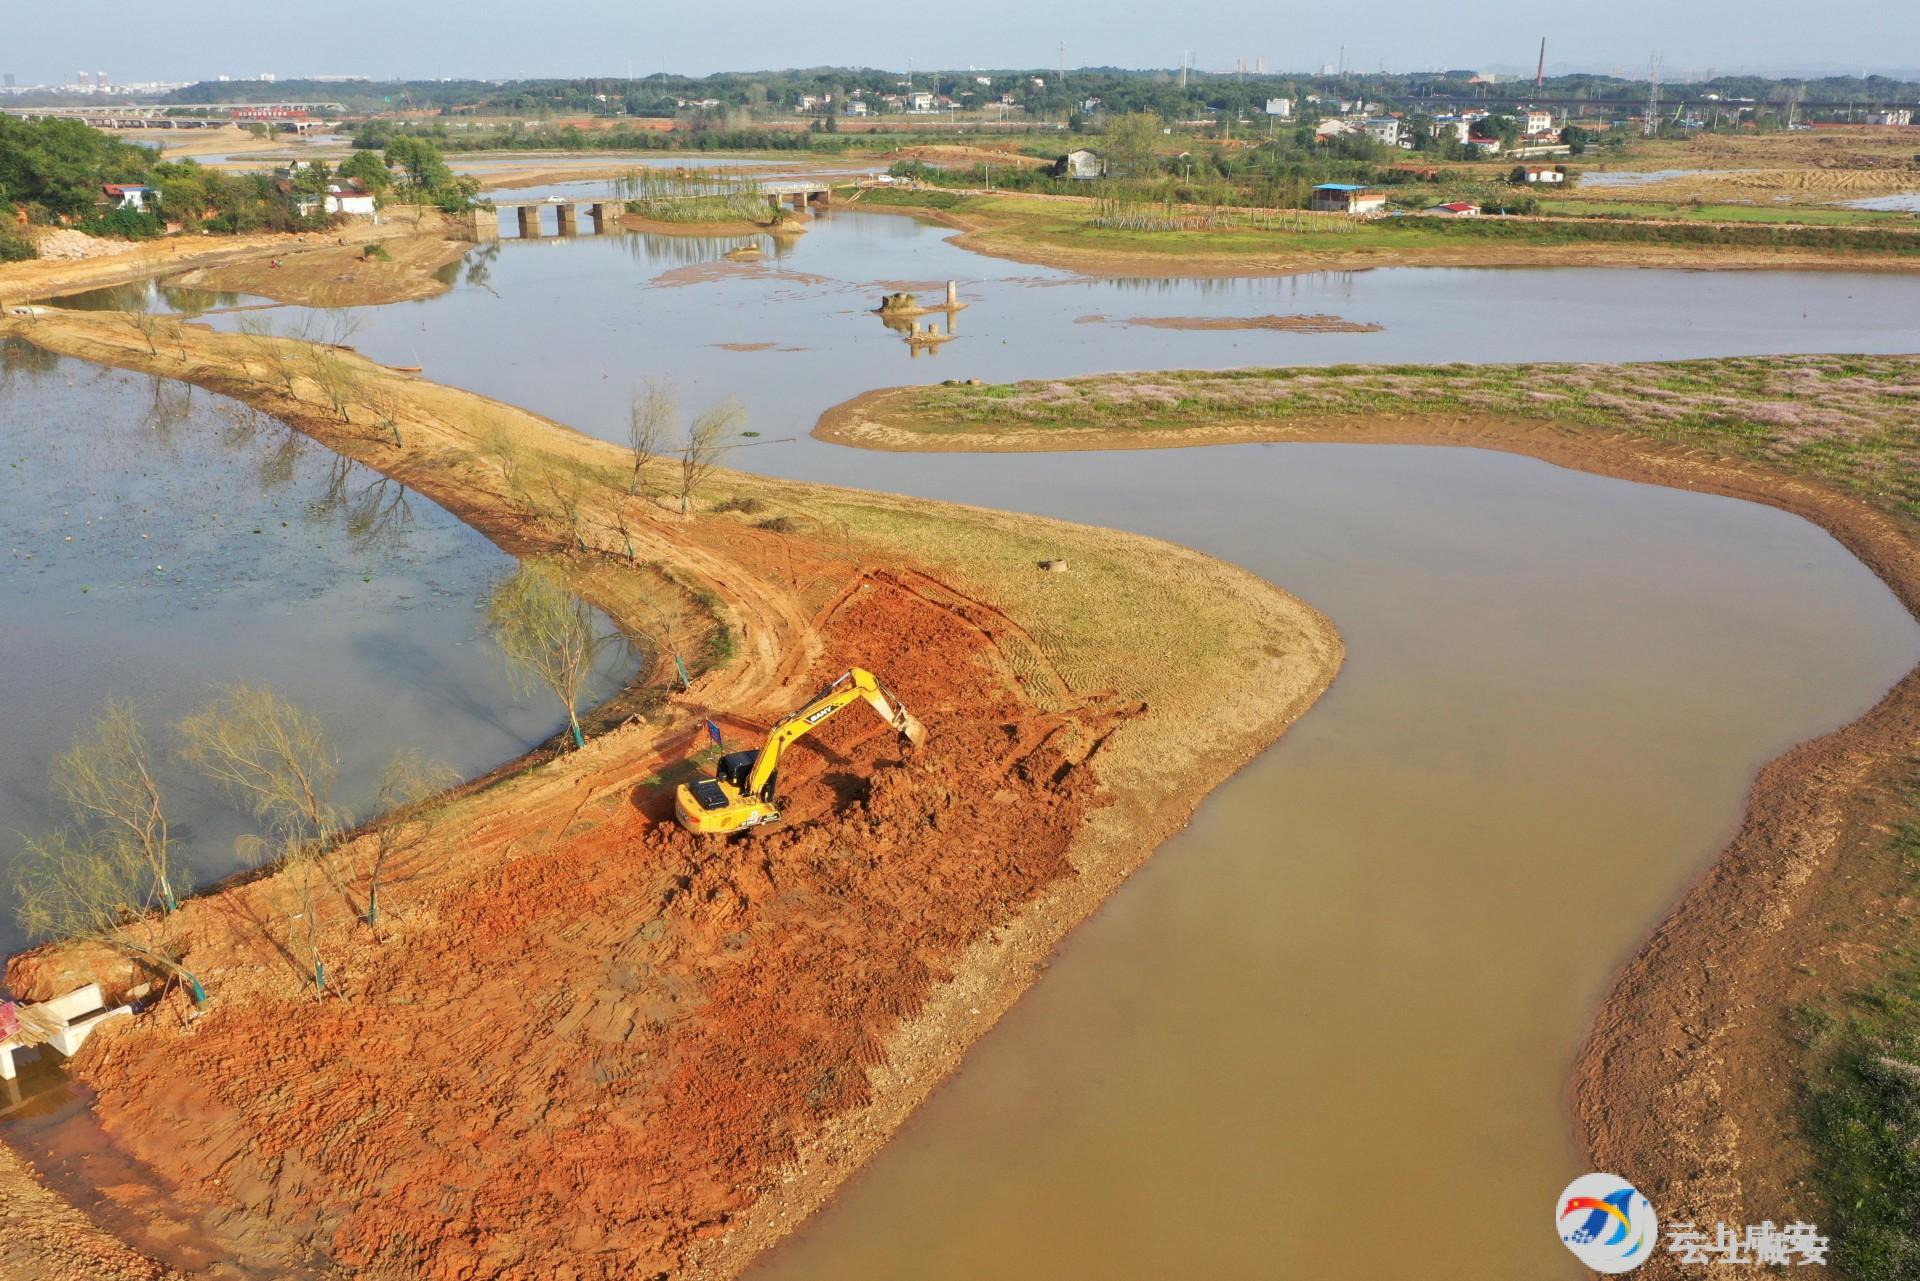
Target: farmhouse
x,y
1347,197
1540,173
127,195
1457,209
349,196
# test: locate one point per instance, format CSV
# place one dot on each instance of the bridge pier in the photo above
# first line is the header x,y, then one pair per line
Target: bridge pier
x,y
486,224
529,222
569,219
597,211
822,198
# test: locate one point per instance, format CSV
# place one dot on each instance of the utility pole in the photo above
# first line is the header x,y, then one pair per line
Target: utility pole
x,y
1063,62
1540,72
1186,61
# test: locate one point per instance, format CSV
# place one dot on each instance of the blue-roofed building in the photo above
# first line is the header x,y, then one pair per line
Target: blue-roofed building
x,y
1348,197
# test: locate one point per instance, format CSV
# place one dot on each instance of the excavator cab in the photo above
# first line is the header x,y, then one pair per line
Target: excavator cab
x,y
742,792
734,767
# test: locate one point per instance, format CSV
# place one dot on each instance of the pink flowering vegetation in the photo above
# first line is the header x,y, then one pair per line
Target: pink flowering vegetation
x,y
1851,420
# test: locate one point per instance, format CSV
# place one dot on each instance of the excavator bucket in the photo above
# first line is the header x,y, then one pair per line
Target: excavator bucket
x,y
910,727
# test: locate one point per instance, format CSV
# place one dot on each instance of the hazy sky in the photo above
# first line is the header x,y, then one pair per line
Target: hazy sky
x,y
47,41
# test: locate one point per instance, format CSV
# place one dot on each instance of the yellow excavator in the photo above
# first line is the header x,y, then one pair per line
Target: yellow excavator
x,y
741,792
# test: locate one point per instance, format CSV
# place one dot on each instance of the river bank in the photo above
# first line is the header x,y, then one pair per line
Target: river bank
x,y
300,267
1104,751
1691,1078
1053,231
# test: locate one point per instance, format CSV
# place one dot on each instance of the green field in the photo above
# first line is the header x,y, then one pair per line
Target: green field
x,y
1808,215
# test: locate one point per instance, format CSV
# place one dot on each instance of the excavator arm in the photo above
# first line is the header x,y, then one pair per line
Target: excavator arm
x,y
743,791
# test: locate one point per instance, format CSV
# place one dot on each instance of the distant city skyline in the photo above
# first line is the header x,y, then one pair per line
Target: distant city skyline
x,y
486,39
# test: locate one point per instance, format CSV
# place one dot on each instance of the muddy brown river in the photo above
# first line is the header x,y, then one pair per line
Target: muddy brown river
x,y
1326,1032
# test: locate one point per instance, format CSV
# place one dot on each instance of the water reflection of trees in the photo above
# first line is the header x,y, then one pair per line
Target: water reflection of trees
x,y
377,510
150,295
1320,284
169,403
19,357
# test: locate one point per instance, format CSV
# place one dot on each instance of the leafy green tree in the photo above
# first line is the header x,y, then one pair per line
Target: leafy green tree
x,y
420,163
369,169
61,164
1130,140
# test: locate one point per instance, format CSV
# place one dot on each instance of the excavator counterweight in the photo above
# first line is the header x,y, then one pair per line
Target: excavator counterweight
x,y
743,790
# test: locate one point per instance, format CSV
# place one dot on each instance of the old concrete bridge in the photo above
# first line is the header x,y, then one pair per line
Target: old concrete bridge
x,y
600,211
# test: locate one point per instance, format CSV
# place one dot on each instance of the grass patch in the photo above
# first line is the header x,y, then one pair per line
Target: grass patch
x,y
1863,1108
1811,215
901,198
1229,231
1851,421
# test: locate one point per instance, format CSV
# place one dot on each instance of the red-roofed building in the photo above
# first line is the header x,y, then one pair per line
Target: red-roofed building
x,y
127,195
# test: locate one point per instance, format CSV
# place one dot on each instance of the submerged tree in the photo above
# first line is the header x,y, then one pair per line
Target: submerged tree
x,y
98,890
273,757
549,634
106,776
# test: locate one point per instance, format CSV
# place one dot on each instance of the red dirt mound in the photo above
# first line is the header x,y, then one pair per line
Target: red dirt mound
x,y
600,1051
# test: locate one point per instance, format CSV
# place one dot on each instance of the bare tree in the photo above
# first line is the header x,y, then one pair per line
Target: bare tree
x,y
273,757
500,446
707,438
548,633
565,489
106,775
101,891
336,378
147,325
408,783
650,422
274,352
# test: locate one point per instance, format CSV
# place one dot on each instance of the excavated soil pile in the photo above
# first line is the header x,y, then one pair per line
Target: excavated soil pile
x,y
600,1051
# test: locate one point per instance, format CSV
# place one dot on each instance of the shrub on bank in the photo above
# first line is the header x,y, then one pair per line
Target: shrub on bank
x,y
123,224
14,247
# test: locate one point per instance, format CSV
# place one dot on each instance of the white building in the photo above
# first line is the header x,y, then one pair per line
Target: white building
x,y
127,195
920,102
1348,197
1082,164
1384,130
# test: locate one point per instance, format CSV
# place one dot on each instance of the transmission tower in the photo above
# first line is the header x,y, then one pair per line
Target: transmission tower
x,y
1653,97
